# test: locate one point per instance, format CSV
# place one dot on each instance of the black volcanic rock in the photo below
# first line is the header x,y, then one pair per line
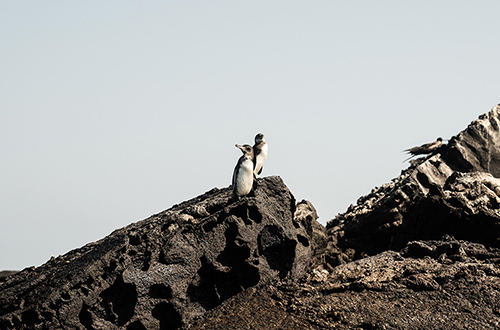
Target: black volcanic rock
x,y
162,272
390,262
6,273
422,252
453,192
442,284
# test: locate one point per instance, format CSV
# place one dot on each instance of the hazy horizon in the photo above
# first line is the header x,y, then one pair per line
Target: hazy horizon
x,y
113,111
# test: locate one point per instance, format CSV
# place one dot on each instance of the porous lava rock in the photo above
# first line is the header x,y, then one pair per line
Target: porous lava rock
x,y
6,273
421,252
455,191
162,272
439,284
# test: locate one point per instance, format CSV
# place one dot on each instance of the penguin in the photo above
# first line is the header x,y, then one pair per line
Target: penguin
x,y
243,176
424,149
260,153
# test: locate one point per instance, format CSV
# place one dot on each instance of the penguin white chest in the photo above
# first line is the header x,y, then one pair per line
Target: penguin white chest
x,y
244,178
260,159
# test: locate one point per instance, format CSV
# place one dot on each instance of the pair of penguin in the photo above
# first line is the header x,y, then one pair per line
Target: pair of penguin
x,y
249,166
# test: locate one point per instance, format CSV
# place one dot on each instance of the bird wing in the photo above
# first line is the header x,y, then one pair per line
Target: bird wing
x,y
408,158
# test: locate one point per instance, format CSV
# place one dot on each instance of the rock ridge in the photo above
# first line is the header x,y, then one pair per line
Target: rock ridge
x,y
420,252
164,271
453,192
439,284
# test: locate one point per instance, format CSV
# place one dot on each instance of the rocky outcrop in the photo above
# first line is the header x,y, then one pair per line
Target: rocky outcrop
x,y
452,192
6,273
421,252
443,284
162,272
391,261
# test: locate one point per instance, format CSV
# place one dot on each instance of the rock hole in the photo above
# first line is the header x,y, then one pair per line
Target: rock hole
x,y
216,286
137,325
147,260
293,204
85,317
369,326
303,240
423,179
213,208
47,316
89,281
221,217
119,301
205,292
494,204
278,250
4,309
160,291
247,274
254,214
233,253
30,317
455,202
134,240
109,269
209,226
241,212
169,318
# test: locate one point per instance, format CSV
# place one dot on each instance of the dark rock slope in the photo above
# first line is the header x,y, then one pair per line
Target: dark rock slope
x,y
162,272
443,284
454,192
421,252
391,262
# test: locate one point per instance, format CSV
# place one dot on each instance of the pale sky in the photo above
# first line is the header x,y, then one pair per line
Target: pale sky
x,y
112,111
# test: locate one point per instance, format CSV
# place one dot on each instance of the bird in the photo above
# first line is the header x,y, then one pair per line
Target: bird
x,y
260,153
424,149
243,175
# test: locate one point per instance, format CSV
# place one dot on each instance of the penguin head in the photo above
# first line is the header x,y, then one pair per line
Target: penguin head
x,y
246,149
259,138
439,139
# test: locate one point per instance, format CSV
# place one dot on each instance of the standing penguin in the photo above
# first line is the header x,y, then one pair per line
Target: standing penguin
x,y
243,172
259,153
